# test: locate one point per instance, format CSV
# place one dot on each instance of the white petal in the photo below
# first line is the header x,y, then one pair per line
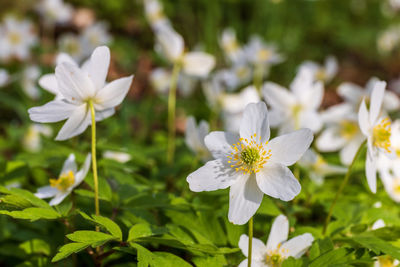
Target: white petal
x,y
81,174
330,140
331,67
244,199
255,121
46,192
198,63
98,66
288,148
69,165
49,83
349,151
278,181
113,93
76,124
258,248
350,92
170,43
220,144
312,97
59,198
191,136
104,114
63,57
73,83
370,172
390,101
376,101
276,96
363,120
298,245
53,111
310,119
212,176
279,232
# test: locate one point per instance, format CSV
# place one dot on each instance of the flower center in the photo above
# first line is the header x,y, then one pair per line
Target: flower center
x,y
386,261
65,181
232,46
264,54
296,110
381,134
321,74
274,258
248,155
396,186
15,38
348,129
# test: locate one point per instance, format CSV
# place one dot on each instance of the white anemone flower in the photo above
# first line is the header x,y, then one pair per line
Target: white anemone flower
x,y
54,11
259,53
160,79
16,38
298,107
277,248
72,45
232,49
194,138
237,75
389,40
341,132
67,181
32,141
171,45
78,87
234,104
251,164
93,36
155,14
376,129
29,77
118,156
318,167
324,73
383,261
353,94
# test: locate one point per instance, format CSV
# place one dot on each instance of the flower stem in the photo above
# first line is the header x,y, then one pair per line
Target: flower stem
x,y
171,112
342,185
94,162
250,242
258,76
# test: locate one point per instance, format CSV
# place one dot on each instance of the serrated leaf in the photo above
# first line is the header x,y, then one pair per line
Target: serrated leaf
x,y
377,245
215,261
68,249
109,225
36,246
33,214
92,238
28,196
144,230
166,259
331,258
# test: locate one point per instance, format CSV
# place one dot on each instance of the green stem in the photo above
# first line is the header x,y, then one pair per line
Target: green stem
x,y
342,185
94,162
250,242
171,112
258,77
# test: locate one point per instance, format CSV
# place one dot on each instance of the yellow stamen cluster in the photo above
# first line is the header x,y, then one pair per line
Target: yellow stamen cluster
x,y
232,46
321,74
381,134
249,156
15,38
386,261
348,129
274,258
65,181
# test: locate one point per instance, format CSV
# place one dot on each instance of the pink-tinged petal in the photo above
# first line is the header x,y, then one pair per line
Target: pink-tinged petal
x,y
53,111
212,176
376,101
297,246
288,148
244,199
258,248
73,83
98,66
113,93
279,232
363,120
220,144
276,180
76,124
255,122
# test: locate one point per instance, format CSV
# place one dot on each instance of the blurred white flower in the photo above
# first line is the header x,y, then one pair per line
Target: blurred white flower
x,y
353,94
234,104
376,130
232,49
277,248
4,77
67,181
93,36
341,133
383,261
389,40
78,87
171,45
118,156
71,44
160,79
324,73
194,138
16,38
260,53
54,11
250,164
31,140
298,107
234,77
155,14
318,168
29,78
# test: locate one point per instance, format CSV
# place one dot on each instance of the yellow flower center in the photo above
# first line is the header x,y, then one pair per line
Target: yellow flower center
x,y
248,156
381,134
156,16
296,110
65,181
274,258
15,38
321,74
386,261
264,54
396,186
231,46
348,129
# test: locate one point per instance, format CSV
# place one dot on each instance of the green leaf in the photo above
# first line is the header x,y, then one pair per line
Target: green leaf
x,y
28,196
68,249
377,245
35,246
144,256
331,258
215,261
33,214
109,225
166,259
143,230
92,238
